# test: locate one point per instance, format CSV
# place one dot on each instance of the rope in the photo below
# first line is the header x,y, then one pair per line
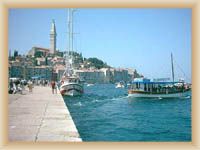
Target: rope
x,y
185,76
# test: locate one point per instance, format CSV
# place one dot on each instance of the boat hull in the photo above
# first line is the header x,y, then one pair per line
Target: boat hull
x,y
119,86
71,89
170,95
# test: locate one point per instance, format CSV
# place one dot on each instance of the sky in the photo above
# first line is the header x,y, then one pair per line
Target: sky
x,y
142,39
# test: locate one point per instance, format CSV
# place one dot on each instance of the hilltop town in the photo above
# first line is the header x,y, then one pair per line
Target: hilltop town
x,y
49,63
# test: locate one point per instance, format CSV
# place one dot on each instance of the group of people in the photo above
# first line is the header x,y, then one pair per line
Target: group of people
x,y
54,85
13,87
18,85
42,82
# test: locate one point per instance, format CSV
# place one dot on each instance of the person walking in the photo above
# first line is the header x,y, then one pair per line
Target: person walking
x,y
56,86
22,83
30,86
53,85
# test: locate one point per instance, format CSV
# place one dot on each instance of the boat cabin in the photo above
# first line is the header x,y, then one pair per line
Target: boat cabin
x,y
71,79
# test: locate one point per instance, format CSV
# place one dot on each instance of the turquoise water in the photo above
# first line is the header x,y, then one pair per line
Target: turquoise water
x,y
105,113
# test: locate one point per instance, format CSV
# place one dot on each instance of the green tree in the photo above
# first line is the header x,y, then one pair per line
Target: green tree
x,y
38,54
97,63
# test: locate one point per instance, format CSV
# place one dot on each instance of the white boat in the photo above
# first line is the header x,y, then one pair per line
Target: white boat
x,y
120,85
142,87
71,84
176,95
90,84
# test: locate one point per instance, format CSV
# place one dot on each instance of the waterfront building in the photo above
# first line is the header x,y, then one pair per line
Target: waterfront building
x,y
44,72
57,60
91,76
38,51
27,67
107,75
132,73
104,75
41,61
118,74
44,61
15,69
27,72
59,69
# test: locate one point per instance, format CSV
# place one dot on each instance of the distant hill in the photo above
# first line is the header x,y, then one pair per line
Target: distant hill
x,y
92,62
96,63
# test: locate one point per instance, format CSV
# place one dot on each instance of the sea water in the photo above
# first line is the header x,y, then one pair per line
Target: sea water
x,y
106,113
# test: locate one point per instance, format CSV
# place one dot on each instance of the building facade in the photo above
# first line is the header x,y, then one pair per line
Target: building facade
x,y
104,75
27,72
40,51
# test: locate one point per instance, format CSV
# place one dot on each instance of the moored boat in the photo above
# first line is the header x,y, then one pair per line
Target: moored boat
x,y
143,87
147,88
71,84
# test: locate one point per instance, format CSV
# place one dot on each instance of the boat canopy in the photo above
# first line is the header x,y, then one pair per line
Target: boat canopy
x,y
152,82
148,81
37,77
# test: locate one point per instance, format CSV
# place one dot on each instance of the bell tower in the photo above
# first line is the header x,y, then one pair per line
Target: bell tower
x,y
53,37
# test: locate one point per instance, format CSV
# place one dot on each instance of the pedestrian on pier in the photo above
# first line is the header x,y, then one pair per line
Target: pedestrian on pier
x,y
53,86
56,86
30,86
45,83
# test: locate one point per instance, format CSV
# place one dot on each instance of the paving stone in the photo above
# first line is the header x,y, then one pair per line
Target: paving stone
x,y
19,138
52,138
40,116
23,131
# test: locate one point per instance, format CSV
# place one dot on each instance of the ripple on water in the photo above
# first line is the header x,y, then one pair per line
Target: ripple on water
x,y
105,113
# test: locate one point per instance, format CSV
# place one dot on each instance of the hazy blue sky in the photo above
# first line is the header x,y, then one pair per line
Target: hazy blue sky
x,y
139,38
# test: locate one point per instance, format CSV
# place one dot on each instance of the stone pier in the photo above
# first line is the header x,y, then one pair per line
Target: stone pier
x,y
40,116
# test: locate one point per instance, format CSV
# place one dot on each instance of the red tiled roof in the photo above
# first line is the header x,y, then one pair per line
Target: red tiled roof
x,y
45,49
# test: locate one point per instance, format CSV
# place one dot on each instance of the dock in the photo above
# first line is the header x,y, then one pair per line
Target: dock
x,y
40,116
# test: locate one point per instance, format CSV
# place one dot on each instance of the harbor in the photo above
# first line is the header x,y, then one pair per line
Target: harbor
x,y
106,113
40,116
120,84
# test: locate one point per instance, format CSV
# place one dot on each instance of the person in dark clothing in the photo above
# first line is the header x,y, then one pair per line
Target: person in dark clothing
x,y
53,86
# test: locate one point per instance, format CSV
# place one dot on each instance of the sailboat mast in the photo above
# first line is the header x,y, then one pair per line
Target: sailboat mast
x,y
69,30
72,32
172,67
72,27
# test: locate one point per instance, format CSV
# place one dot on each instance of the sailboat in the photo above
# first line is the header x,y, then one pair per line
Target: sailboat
x,y
143,87
71,84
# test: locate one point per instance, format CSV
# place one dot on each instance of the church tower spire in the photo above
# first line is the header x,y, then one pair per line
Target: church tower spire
x,y
53,37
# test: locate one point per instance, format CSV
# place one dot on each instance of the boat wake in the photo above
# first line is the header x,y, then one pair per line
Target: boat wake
x,y
78,104
187,97
95,101
118,98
